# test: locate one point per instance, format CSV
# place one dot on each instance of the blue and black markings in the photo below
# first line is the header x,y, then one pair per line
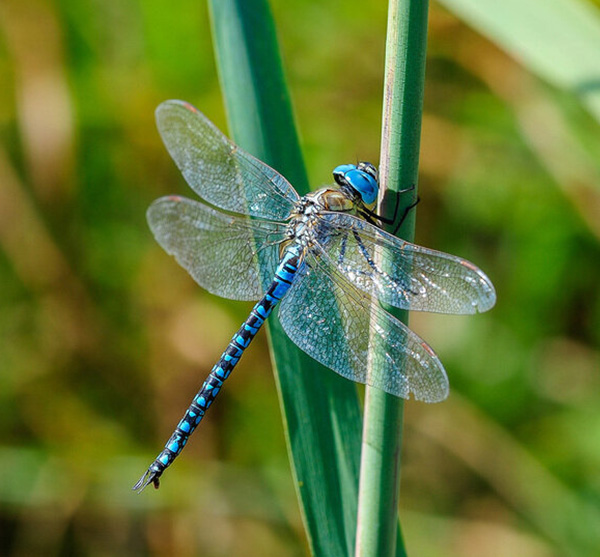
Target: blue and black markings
x,y
284,276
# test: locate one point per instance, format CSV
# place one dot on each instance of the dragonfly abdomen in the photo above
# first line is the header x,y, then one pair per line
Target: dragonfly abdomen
x,y
284,277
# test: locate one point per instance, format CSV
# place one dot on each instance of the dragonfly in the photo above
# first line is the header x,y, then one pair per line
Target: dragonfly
x,y
322,258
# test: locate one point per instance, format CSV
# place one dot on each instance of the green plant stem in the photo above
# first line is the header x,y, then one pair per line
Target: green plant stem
x,y
379,488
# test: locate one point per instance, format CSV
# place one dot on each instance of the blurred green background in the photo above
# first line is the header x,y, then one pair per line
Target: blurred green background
x,y
102,342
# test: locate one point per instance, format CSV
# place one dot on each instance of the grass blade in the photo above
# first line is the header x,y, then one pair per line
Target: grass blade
x,y
320,409
559,40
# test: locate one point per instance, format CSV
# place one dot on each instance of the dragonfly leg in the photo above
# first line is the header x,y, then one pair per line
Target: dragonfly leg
x,y
405,214
365,253
342,253
370,215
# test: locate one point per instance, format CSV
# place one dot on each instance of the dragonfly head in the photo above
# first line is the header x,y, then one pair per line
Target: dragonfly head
x,y
362,178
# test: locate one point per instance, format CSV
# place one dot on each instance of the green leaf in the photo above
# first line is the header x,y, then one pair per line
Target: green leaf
x,y
559,40
320,409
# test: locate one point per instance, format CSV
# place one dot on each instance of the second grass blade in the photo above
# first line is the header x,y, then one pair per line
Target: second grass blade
x,y
406,42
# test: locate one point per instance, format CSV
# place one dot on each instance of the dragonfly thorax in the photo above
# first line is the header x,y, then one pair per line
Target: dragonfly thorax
x,y
304,221
305,218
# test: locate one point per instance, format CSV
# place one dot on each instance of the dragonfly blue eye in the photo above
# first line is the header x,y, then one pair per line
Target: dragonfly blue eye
x,y
361,178
252,237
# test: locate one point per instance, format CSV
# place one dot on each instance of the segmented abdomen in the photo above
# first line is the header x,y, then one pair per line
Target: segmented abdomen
x,y
212,385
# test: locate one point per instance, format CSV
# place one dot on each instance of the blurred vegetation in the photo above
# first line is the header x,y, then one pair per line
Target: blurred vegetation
x,y
102,341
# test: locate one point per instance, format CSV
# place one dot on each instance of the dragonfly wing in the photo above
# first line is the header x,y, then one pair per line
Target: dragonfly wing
x,y
218,250
402,274
218,170
348,331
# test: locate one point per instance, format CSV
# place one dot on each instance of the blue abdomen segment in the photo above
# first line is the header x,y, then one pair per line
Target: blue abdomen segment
x,y
284,276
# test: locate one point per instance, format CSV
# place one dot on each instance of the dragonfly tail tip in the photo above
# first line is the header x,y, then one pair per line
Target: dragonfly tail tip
x,y
149,477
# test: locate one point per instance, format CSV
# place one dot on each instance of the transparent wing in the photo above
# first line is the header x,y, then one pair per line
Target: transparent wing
x,y
221,252
329,318
219,171
402,274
